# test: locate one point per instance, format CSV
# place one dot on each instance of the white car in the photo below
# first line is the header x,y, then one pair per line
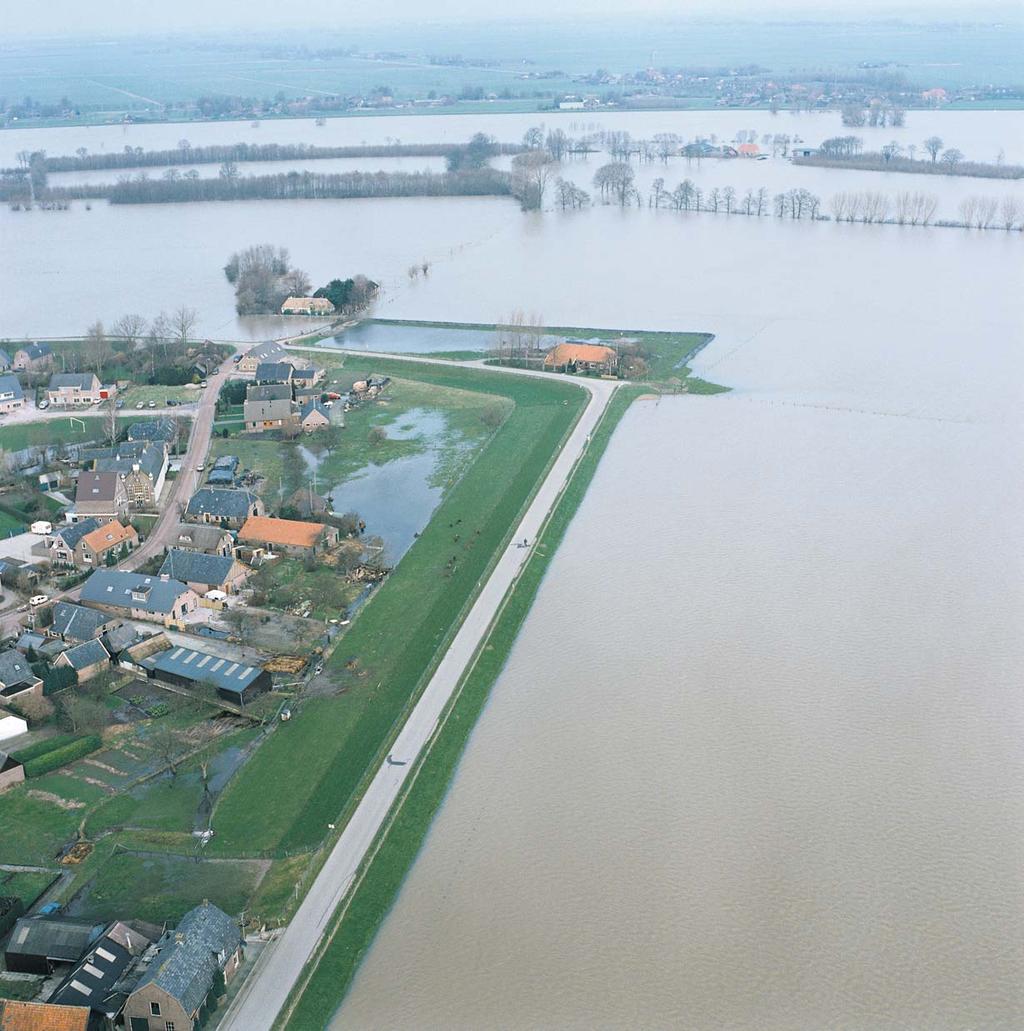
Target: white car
x,y
140,405
43,404
38,599
152,404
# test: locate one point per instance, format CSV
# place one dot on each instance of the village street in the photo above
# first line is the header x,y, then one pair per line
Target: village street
x,y
262,996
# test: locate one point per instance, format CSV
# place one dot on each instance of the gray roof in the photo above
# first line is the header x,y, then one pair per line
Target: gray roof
x,y
201,667
315,405
35,351
14,669
221,503
72,534
57,939
119,637
268,349
268,411
274,372
87,654
148,457
77,622
200,536
92,980
156,429
197,567
188,959
11,385
268,392
82,380
132,590
96,486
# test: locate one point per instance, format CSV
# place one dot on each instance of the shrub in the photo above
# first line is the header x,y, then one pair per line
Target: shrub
x,y
42,747
62,756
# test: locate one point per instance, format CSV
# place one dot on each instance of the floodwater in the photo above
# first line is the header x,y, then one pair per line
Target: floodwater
x,y
757,758
485,256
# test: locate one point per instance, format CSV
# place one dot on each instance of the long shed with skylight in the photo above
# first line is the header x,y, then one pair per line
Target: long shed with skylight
x,y
236,681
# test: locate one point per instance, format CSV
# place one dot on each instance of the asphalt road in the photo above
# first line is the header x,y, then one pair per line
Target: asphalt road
x,y
263,995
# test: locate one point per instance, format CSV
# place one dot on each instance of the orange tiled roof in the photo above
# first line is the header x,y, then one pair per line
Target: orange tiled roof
x,y
109,536
38,1016
281,531
561,354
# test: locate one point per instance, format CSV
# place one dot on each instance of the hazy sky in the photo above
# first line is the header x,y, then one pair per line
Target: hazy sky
x,y
130,17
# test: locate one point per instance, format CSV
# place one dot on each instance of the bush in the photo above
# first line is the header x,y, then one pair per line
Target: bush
x,y
42,747
62,756
58,679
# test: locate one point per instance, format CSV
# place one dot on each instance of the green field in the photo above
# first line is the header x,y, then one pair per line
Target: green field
x,y
395,641
63,430
354,926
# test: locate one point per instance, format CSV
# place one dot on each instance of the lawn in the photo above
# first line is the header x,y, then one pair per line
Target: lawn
x,y
26,885
10,525
141,392
63,430
288,584
354,927
394,642
162,888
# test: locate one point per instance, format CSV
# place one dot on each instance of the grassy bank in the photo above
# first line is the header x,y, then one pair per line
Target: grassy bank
x,y
354,927
385,658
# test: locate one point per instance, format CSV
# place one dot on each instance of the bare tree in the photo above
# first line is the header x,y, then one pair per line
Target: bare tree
x,y
110,421
1009,211
666,144
951,158
96,347
131,329
531,173
183,321
933,145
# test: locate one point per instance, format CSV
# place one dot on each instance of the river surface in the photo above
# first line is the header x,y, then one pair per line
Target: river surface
x,y
757,758
485,256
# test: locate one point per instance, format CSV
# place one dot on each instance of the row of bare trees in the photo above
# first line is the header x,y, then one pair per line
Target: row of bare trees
x,y
518,337
991,213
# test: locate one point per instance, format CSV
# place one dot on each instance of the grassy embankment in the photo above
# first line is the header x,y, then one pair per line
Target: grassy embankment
x,y
386,657
355,924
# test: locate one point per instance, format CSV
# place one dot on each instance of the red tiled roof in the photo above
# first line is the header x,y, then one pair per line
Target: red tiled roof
x,y
39,1016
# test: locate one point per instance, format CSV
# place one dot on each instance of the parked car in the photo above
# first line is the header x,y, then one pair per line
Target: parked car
x,y
152,404
170,402
38,599
95,400
141,405
43,404
119,403
202,382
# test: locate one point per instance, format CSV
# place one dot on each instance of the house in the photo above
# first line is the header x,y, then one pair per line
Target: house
x,y
32,358
306,375
142,466
11,771
187,967
41,1016
279,413
223,505
269,351
307,306
269,392
87,660
139,597
17,681
204,572
68,389
236,682
11,395
748,150
11,725
224,470
110,539
274,372
161,431
5,360
47,648
62,541
95,982
75,623
200,537
38,943
291,536
803,152
574,357
102,495
314,415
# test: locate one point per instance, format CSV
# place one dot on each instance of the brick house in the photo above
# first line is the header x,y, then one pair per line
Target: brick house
x,y
32,358
204,572
92,549
101,495
578,357
270,351
188,971
12,396
141,465
224,505
87,659
11,772
70,389
314,416
17,681
136,596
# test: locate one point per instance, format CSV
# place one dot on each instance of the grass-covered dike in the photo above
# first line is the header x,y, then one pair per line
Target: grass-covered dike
x,y
354,925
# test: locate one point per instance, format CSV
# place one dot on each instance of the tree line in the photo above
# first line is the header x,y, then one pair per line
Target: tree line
x,y
313,186
847,152
186,154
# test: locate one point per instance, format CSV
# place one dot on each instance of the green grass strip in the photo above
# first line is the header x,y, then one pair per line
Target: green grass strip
x,y
355,924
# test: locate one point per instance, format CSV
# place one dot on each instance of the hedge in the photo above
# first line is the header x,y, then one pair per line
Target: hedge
x,y
59,757
48,744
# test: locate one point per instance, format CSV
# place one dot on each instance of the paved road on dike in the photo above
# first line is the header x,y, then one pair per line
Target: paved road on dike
x,y
263,995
